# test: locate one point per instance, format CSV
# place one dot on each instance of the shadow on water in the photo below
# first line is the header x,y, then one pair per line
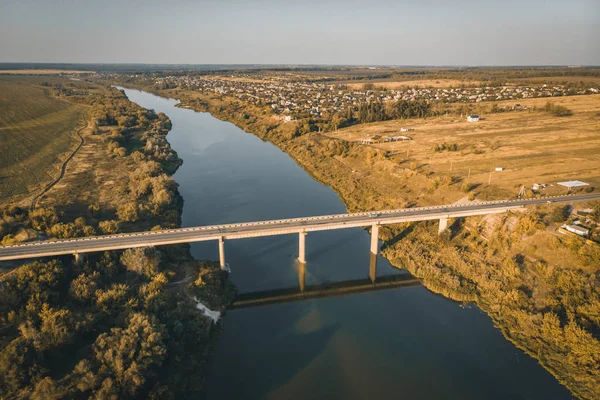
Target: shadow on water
x,y
286,295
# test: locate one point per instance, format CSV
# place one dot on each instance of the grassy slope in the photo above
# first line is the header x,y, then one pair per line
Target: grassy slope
x,y
36,134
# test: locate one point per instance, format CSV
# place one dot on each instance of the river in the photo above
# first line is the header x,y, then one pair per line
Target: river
x,y
399,343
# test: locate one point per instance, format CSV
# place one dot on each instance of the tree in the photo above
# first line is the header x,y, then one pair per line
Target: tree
x,y
83,288
31,285
55,328
349,116
47,389
162,188
142,260
42,219
88,231
560,213
79,222
18,366
109,227
152,295
112,300
128,212
8,240
64,231
128,357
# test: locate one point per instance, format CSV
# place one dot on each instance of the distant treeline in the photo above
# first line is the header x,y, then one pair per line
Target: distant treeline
x,y
377,111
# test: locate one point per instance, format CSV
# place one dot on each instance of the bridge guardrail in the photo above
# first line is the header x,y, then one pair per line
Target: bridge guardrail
x,y
291,220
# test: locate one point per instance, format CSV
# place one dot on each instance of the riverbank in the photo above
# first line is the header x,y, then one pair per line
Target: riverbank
x,y
527,306
78,313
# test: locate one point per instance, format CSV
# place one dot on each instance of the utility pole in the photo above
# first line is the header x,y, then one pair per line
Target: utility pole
x,y
469,173
451,163
490,179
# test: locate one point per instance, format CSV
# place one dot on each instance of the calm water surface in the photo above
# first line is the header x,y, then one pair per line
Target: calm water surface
x,y
404,343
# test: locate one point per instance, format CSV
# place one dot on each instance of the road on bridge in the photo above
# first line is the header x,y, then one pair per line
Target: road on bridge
x,y
270,228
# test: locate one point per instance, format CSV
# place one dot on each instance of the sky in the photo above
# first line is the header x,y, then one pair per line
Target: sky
x,y
349,32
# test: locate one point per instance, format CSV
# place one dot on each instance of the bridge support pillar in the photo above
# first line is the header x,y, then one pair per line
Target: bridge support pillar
x,y
373,268
443,225
78,258
222,254
302,247
301,275
375,239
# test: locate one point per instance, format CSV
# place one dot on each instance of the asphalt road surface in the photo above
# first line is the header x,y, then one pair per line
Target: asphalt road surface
x,y
269,228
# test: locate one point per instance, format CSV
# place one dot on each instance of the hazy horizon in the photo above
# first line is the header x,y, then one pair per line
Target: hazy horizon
x,y
268,32
382,66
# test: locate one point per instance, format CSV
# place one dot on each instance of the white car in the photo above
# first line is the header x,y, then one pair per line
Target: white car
x,y
373,215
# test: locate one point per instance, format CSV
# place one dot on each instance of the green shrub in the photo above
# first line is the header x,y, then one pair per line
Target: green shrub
x,y
109,227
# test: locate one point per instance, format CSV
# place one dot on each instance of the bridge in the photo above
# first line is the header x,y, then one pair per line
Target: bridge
x,y
300,226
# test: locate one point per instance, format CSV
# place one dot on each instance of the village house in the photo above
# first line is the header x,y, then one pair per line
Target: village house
x,y
300,97
577,229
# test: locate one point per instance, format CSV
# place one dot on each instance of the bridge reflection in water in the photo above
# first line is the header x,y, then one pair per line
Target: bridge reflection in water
x,y
302,292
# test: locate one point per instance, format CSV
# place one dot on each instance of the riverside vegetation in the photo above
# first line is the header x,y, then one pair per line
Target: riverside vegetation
x,y
540,289
122,324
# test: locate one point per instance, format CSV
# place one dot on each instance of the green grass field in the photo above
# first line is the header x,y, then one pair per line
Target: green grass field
x,y
37,132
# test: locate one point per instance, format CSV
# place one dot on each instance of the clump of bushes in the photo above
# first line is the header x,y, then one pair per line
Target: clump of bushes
x,y
441,181
43,220
556,110
446,147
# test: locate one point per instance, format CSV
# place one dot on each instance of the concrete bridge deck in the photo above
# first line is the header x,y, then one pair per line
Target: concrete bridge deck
x,y
274,227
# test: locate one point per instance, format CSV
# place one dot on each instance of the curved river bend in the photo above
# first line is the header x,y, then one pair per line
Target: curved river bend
x,y
403,343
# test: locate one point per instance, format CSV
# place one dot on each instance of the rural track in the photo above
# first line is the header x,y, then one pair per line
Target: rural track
x,y
63,169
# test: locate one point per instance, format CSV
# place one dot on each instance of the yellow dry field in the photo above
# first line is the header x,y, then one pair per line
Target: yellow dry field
x,y
42,71
419,83
558,79
530,146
